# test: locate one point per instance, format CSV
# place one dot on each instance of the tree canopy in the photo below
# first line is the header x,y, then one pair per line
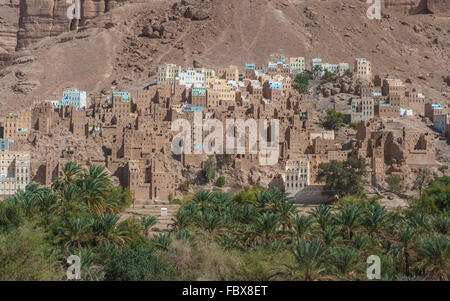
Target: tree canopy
x,y
342,178
301,83
333,120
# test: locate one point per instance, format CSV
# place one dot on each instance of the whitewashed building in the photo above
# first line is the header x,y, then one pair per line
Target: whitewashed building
x,y
76,98
192,78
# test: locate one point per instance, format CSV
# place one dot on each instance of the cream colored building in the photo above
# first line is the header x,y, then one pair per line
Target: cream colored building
x,y
297,64
328,135
226,91
363,69
167,74
14,172
209,73
296,176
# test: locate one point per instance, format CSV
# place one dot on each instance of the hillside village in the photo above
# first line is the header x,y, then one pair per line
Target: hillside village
x,y
391,126
224,140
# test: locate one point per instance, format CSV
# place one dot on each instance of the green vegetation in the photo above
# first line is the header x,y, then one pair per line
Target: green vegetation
x,y
254,234
443,168
137,264
220,181
208,173
329,243
333,120
225,160
353,125
423,178
185,186
436,197
301,83
395,183
342,178
79,215
317,69
328,77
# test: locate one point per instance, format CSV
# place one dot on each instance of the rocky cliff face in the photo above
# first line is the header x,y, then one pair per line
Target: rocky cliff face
x,y
438,6
46,18
9,25
417,6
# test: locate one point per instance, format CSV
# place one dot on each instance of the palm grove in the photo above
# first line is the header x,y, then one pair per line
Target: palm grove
x,y
252,234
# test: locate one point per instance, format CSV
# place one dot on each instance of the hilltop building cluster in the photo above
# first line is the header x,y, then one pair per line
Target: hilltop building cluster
x,y
132,130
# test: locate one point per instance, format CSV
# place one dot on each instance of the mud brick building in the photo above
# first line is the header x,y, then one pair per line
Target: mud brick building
x,y
387,147
130,132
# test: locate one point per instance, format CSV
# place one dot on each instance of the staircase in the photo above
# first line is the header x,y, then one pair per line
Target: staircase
x,y
147,208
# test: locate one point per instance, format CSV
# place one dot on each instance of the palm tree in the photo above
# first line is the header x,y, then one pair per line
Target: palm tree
x,y
109,229
441,224
285,206
72,173
246,213
374,218
360,240
148,222
94,196
69,195
330,234
302,224
323,215
267,224
75,231
435,251
211,221
420,222
98,174
182,219
348,219
344,260
406,237
309,256
263,198
163,241
203,198
29,199
89,270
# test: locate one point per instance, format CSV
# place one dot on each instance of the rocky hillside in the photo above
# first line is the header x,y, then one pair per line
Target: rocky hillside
x,y
46,18
120,48
9,25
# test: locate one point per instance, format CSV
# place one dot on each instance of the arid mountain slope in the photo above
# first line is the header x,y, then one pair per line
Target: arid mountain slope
x,y
46,18
121,48
9,25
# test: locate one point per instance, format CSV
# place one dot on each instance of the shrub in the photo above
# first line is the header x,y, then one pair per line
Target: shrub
x,y
301,83
220,181
208,172
185,186
24,257
436,197
395,183
443,168
333,120
137,264
10,216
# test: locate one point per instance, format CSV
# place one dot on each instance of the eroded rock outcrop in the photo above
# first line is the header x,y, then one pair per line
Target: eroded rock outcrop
x,y
438,6
9,25
45,18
